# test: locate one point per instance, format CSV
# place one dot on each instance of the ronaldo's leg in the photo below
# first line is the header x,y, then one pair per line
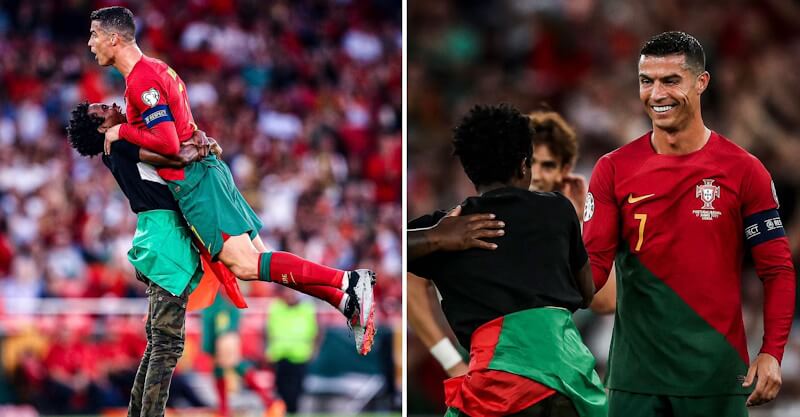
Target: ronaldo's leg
x,y
241,255
333,296
248,263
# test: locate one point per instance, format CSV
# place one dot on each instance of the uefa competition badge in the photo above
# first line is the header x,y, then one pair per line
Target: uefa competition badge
x,y
707,193
588,209
775,194
150,97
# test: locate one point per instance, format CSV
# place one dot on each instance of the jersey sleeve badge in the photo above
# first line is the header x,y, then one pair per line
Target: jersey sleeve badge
x,y
588,209
775,194
150,97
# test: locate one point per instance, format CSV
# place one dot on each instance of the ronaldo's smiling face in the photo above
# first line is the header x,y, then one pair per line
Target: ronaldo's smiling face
x,y
670,90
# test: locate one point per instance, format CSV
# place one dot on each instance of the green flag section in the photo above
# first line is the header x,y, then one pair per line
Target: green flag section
x,y
660,345
162,251
543,344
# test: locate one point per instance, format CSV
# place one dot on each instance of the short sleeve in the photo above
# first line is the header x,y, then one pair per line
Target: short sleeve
x,y
758,190
577,251
422,266
422,222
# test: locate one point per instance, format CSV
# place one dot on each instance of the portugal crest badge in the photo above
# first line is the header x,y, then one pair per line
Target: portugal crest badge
x,y
707,193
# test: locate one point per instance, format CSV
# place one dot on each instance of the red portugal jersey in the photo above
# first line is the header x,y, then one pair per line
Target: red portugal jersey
x,y
678,228
158,112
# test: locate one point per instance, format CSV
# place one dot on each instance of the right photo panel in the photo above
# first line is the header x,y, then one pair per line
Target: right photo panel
x,y
603,208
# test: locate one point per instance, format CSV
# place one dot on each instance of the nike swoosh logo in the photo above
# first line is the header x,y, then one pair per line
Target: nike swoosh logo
x,y
632,199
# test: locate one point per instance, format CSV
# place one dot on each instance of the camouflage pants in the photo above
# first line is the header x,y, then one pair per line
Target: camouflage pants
x,y
165,329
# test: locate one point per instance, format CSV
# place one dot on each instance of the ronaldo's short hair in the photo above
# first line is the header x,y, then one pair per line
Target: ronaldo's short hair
x,y
677,43
116,19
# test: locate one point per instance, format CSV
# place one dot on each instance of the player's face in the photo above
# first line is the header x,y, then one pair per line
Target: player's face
x,y
547,170
100,44
111,115
670,91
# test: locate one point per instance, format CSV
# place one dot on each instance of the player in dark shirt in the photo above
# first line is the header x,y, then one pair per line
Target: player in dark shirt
x,y
511,306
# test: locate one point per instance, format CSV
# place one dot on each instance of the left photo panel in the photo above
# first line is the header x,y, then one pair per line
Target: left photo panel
x,y
200,208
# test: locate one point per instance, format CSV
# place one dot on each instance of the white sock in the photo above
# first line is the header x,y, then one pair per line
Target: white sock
x,y
345,280
343,303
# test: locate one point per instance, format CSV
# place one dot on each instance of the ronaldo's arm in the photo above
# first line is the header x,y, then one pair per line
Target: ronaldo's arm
x,y
423,309
601,222
605,301
189,152
161,138
160,135
775,269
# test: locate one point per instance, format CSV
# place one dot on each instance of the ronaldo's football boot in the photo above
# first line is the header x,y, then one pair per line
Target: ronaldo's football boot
x,y
360,311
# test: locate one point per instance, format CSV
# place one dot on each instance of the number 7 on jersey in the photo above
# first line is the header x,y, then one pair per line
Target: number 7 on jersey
x,y
642,220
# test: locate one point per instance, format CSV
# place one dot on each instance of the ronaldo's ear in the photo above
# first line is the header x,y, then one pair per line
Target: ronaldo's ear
x,y
702,82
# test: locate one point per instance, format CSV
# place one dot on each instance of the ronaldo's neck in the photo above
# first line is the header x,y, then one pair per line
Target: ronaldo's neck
x,y
680,142
127,58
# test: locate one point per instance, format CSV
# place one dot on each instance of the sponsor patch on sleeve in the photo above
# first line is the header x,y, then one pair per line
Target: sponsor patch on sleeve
x,y
157,115
763,226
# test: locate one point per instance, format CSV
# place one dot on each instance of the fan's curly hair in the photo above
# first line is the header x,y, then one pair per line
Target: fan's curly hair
x,y
491,141
82,131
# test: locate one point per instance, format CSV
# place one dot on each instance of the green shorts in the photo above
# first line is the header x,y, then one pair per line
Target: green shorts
x,y
162,251
628,404
212,205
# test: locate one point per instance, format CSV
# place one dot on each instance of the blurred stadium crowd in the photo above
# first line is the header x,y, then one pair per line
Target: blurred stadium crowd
x,y
305,99
579,57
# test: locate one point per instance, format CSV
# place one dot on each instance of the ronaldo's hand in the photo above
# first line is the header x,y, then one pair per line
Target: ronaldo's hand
x,y
767,371
215,148
112,135
201,141
455,232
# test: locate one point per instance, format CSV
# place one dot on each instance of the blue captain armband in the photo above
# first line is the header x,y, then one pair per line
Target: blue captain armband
x,y
157,115
763,226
